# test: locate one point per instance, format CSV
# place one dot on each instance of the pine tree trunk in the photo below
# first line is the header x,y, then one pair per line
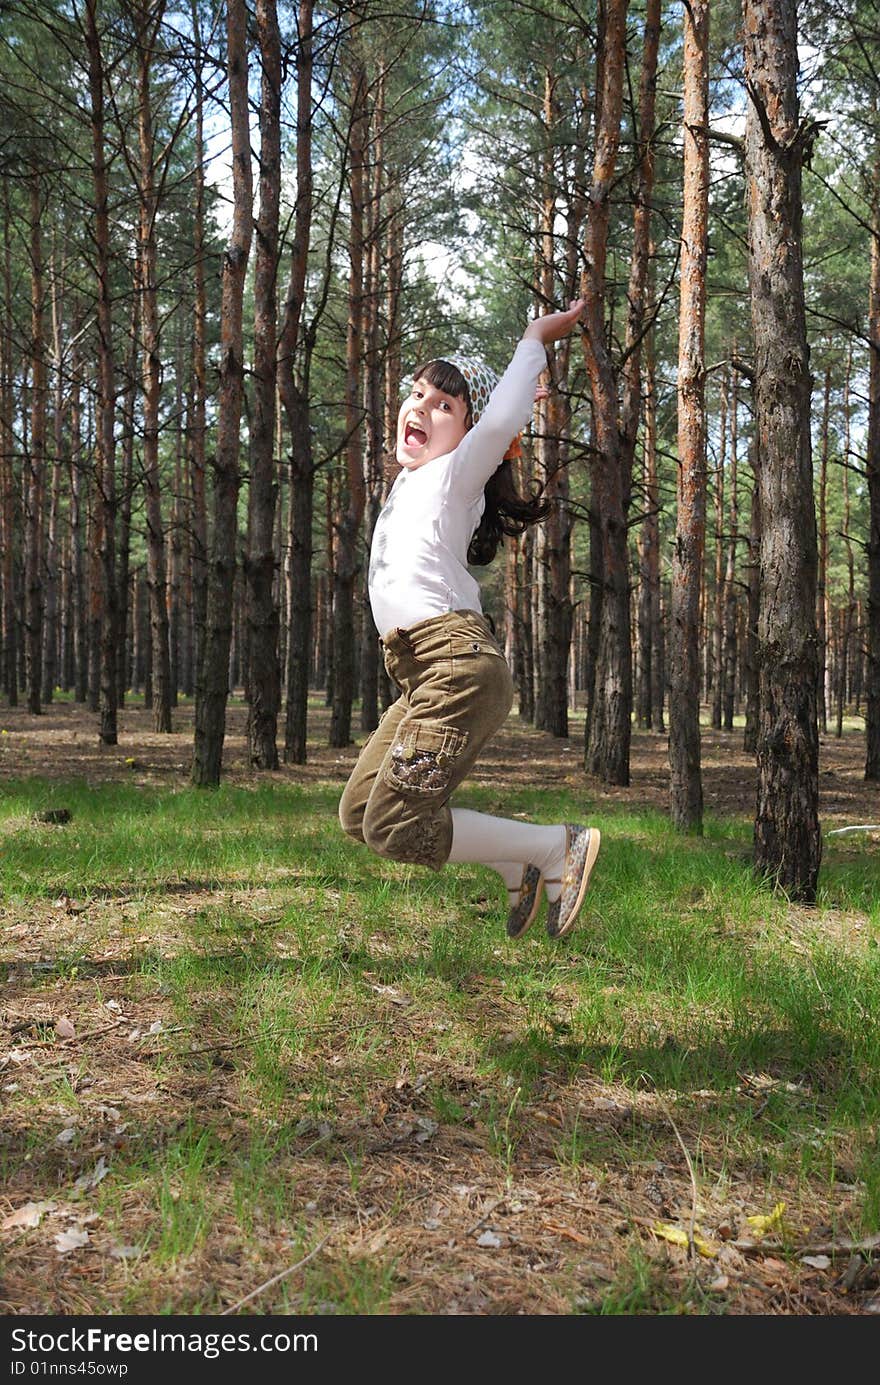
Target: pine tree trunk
x,y
52,576
196,425
650,593
79,640
264,674
872,448
686,788
553,539
634,393
8,499
138,658
104,619
178,526
373,405
718,615
149,21
35,461
750,654
212,689
126,490
846,615
295,398
610,728
730,605
353,500
788,841
822,585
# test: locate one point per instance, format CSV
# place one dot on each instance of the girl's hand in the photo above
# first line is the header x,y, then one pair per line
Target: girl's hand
x,y
553,326
541,393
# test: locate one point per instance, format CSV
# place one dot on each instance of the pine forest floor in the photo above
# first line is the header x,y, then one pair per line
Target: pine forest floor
x,y
232,1043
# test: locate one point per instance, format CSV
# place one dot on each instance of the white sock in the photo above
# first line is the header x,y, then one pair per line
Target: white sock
x,y
511,873
507,845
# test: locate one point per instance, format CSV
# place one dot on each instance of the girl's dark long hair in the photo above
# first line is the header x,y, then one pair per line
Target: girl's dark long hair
x,y
506,512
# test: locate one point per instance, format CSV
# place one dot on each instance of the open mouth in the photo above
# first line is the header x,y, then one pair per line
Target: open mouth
x,y
414,437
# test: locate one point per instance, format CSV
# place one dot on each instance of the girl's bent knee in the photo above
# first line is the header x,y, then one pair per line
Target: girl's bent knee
x,y
351,819
421,841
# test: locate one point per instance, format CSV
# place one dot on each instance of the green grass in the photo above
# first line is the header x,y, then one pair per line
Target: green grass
x,y
346,997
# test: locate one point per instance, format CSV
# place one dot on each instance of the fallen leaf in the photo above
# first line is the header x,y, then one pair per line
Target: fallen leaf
x,y
64,1029
771,1222
124,1252
679,1237
569,1235
156,1027
490,1240
719,1284
65,1136
817,1262
71,1240
87,1181
27,1216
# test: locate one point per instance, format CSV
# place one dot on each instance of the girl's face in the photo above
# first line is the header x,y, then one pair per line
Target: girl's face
x,y
430,424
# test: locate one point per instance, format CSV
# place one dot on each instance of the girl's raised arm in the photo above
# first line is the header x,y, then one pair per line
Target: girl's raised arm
x,y
510,405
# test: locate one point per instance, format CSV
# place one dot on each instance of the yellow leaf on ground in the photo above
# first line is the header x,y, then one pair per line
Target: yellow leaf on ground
x,y
772,1222
679,1237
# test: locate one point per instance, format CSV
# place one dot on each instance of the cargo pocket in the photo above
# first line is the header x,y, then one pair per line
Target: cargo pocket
x,y
423,758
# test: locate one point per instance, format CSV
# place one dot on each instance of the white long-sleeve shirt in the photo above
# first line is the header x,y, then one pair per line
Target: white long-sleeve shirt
x,y
418,558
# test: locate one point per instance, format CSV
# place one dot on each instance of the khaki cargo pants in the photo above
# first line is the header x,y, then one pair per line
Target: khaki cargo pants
x,y
456,690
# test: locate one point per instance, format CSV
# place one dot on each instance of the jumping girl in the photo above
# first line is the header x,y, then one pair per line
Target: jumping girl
x,y
450,504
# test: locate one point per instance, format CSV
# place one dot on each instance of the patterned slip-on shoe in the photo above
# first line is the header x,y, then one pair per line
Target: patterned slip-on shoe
x,y
523,910
582,848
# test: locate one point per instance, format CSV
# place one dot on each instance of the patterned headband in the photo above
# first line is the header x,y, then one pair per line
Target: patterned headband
x,y
479,379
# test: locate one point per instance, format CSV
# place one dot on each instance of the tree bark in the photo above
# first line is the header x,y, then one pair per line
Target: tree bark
x,y
650,689
788,842
353,499
212,689
553,539
35,460
730,604
750,654
373,406
105,498
609,721
295,398
196,426
718,615
79,644
872,710
8,499
686,789
264,674
149,19
844,675
822,583
635,396
52,575
176,614
126,491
